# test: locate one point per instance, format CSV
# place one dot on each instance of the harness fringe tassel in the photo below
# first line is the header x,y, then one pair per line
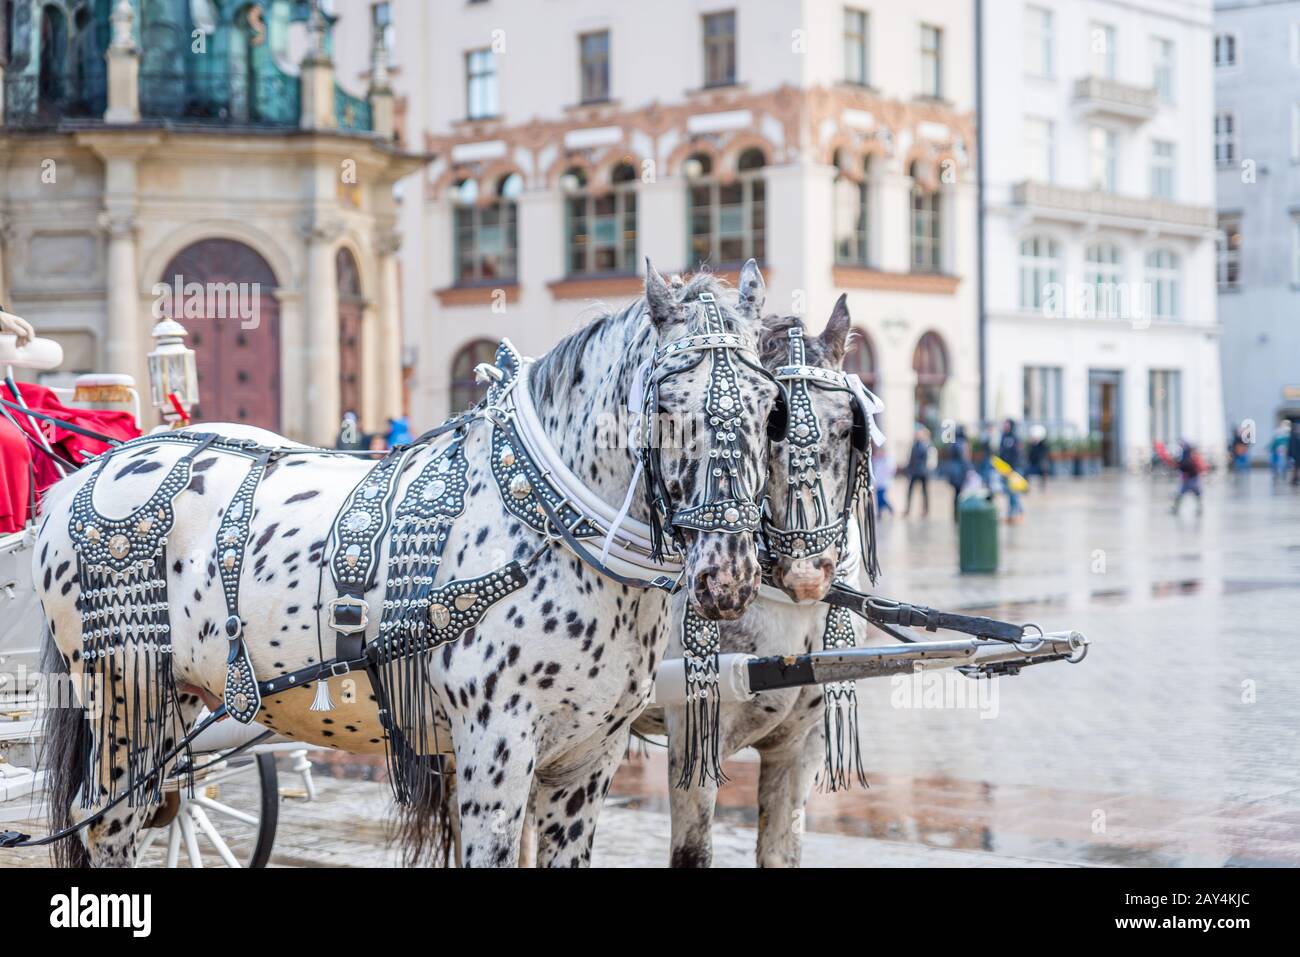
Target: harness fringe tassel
x,y
700,645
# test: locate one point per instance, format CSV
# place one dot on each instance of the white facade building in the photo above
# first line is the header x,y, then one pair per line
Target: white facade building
x,y
1257,109
1100,221
571,139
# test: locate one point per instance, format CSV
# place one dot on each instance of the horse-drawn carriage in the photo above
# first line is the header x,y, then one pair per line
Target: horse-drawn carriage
x,y
230,817
477,610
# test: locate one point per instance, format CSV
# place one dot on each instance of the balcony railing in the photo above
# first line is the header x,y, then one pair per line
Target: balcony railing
x,y
1098,95
1077,204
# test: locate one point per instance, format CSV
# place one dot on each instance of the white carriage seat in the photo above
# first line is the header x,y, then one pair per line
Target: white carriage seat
x,y
40,355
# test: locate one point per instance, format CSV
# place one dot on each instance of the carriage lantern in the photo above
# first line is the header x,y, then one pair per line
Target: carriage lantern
x,y
173,374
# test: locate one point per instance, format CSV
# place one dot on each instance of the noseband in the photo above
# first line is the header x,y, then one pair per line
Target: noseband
x,y
815,529
728,507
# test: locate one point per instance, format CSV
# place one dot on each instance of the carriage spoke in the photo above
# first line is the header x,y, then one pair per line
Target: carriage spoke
x,y
151,835
205,824
191,839
173,844
227,810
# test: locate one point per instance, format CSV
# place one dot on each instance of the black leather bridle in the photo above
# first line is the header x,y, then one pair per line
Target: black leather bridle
x,y
728,507
814,531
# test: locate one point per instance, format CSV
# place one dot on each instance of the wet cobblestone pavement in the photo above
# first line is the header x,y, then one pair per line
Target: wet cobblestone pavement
x,y
1177,742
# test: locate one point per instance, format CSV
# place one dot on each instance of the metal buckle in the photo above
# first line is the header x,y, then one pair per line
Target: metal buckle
x,y
339,668
350,602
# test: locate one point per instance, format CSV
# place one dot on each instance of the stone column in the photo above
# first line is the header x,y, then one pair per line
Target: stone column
x,y
124,332
123,68
384,347
320,366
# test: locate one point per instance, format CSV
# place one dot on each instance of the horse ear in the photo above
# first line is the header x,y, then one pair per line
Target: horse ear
x,y
836,334
665,310
753,291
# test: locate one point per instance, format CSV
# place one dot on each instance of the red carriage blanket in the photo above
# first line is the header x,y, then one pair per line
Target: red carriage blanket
x,y
22,465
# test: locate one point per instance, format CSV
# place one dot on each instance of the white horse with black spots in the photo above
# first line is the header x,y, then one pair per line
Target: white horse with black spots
x,y
538,697
788,726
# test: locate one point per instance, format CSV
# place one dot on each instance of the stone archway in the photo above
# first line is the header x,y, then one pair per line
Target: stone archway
x,y
227,304
351,353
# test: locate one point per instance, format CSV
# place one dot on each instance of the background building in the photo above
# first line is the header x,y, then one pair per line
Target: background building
x,y
831,141
1257,146
219,150
1100,221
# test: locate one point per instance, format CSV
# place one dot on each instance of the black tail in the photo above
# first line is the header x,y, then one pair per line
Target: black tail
x,y
423,823
66,741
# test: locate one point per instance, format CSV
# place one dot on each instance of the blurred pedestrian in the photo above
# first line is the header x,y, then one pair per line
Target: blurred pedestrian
x,y
1278,449
1239,450
1009,452
1293,449
958,467
918,470
1190,467
884,467
399,432
1039,454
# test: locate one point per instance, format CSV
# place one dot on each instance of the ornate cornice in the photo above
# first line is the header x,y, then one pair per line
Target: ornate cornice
x,y
786,124
861,277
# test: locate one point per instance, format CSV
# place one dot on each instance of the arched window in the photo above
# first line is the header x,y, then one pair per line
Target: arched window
x,y
486,237
1104,275
852,216
1162,278
927,249
860,359
465,389
601,230
348,281
728,222
930,363
1040,266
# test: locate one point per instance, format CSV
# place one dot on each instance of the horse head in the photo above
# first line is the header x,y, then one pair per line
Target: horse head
x,y
812,469
708,407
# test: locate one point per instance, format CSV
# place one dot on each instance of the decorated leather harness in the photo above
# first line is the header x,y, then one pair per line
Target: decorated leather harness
x,y
814,529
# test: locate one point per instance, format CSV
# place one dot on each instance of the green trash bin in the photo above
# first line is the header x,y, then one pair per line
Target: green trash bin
x,y
977,534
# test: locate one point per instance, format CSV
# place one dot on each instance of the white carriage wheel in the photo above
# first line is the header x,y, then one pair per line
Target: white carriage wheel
x,y
229,821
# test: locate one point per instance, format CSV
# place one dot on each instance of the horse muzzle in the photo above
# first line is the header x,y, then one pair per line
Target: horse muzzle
x,y
805,579
724,587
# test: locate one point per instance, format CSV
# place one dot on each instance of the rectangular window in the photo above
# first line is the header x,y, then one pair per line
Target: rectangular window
x,y
1225,50
720,49
486,243
1162,169
1165,405
1102,159
593,57
1162,68
1040,149
481,84
1225,138
931,61
1043,398
1101,36
1038,42
1227,248
855,46
926,250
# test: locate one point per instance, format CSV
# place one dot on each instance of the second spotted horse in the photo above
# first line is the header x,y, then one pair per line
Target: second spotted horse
x,y
790,663
202,566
